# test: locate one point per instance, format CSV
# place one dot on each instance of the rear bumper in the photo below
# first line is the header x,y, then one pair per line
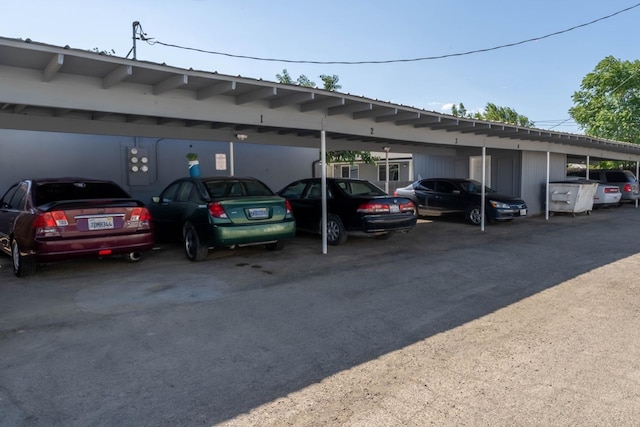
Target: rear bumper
x,y
228,235
57,250
379,223
608,200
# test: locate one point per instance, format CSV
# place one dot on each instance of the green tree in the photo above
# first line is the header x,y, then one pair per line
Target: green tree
x,y
303,80
284,78
459,110
608,102
330,82
348,156
494,113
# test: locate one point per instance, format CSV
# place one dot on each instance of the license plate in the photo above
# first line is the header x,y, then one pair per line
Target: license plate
x,y
105,223
258,213
523,212
394,208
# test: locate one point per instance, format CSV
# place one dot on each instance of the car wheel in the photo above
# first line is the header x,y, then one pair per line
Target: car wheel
x,y
474,215
22,266
193,247
336,234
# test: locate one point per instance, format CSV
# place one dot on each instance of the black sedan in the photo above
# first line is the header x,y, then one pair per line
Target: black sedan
x,y
353,206
436,196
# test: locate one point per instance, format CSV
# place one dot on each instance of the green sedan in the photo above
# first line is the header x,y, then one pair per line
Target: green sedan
x,y
206,213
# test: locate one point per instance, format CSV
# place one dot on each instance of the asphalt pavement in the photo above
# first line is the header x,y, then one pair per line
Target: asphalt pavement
x,y
532,322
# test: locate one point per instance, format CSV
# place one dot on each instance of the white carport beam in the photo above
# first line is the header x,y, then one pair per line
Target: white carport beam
x,y
171,83
52,67
295,98
216,89
321,104
116,76
407,115
61,112
373,113
421,120
256,95
349,108
387,117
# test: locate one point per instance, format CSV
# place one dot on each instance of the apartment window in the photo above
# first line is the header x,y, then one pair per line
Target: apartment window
x,y
394,172
349,171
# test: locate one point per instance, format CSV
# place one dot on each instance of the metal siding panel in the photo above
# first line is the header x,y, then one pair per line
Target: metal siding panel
x,y
534,175
435,166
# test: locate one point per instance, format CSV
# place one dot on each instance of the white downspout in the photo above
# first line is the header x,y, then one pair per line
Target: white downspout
x,y
483,197
323,185
386,162
637,171
546,203
231,163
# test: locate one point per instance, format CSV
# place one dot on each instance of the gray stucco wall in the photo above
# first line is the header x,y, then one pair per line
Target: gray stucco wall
x,y
29,154
505,167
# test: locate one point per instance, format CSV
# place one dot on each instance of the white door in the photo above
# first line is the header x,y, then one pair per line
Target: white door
x,y
475,169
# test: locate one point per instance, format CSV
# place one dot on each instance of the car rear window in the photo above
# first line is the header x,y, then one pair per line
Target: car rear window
x,y
59,191
619,176
237,188
360,188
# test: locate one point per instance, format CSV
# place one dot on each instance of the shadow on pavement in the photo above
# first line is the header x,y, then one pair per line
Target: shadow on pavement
x,y
169,342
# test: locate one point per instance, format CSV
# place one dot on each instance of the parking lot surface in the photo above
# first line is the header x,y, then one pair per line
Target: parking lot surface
x,y
532,322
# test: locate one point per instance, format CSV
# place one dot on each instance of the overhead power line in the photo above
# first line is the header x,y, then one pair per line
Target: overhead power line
x,y
390,61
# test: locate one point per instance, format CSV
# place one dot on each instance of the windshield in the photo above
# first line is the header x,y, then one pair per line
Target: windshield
x,y
472,186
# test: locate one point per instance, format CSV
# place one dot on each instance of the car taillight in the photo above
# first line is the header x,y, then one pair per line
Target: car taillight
x,y
47,224
142,216
406,207
216,210
627,188
287,206
613,190
371,207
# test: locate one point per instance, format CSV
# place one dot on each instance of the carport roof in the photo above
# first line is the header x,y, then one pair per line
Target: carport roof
x,y
111,71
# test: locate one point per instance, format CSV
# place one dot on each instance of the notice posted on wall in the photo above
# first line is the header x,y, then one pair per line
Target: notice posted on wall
x,y
221,162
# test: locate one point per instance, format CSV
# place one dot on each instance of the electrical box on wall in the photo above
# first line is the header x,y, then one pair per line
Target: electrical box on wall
x,y
138,166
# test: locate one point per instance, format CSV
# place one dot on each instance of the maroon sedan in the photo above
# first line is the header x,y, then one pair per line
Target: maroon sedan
x,y
65,218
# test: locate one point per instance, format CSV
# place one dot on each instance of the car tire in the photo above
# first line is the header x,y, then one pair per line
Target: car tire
x,y
336,233
22,266
275,246
474,215
193,246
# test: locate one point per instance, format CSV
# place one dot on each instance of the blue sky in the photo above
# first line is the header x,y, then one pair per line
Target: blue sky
x,y
537,79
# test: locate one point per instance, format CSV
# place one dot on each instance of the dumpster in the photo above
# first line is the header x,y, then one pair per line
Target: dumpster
x,y
572,196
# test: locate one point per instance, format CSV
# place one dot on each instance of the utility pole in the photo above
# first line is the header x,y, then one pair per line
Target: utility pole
x,y
138,34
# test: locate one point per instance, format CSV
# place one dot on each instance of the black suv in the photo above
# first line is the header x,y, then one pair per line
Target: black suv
x,y
624,179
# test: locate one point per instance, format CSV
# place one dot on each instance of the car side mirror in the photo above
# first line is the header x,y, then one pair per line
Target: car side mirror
x,y
155,199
